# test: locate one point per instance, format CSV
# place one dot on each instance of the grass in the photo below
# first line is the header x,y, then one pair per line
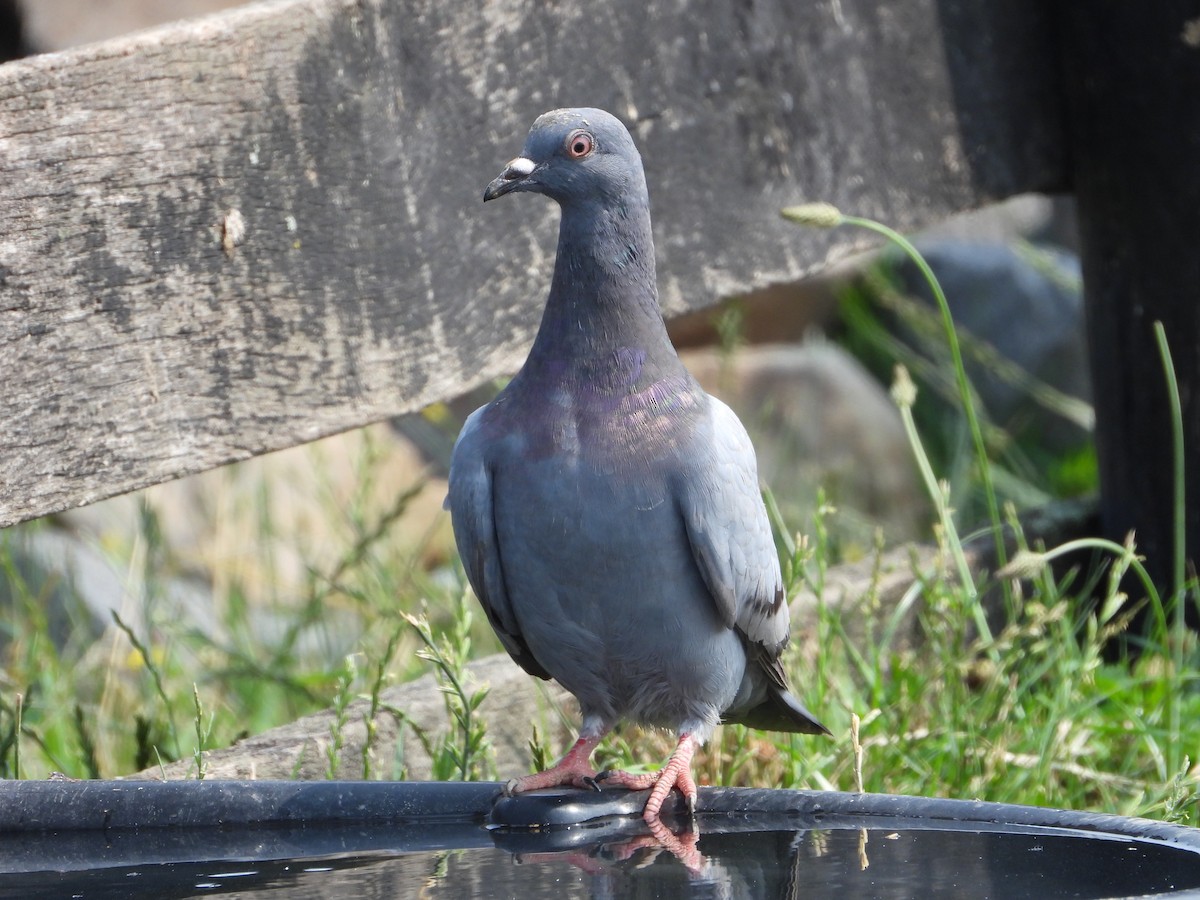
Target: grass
x,y
1025,706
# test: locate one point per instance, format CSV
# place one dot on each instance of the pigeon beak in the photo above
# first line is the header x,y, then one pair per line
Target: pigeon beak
x,y
510,179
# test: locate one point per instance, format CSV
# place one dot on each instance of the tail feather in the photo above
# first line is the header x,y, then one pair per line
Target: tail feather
x,y
780,711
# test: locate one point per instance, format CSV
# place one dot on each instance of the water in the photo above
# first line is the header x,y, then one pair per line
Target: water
x,y
745,861
749,844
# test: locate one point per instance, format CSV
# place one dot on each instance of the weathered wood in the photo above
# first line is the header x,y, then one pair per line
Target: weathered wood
x,y
1133,79
245,232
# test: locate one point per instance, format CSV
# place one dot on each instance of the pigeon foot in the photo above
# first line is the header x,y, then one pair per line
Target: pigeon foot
x,y
642,850
676,773
574,769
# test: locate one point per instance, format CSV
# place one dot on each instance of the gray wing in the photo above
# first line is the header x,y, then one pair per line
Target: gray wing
x,y
470,503
730,535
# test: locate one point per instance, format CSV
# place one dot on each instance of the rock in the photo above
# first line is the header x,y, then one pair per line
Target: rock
x,y
516,701
1038,218
79,589
1027,304
260,528
514,704
870,596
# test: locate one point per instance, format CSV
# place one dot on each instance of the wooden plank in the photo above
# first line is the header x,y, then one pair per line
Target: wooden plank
x,y
1133,79
242,233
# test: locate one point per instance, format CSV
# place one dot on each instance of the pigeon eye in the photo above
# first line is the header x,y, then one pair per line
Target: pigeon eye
x,y
579,144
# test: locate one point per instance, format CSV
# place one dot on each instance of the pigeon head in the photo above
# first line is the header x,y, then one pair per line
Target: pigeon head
x,y
575,156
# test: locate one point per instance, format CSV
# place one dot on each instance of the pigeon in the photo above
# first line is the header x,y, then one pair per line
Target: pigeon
x,y
606,509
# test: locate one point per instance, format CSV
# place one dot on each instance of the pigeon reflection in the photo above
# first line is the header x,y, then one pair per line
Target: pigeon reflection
x,y
667,858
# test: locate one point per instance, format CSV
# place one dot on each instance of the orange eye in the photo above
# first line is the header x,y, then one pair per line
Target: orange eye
x,y
579,144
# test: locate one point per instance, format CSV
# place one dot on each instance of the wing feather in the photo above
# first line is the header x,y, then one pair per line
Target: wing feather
x,y
730,536
470,503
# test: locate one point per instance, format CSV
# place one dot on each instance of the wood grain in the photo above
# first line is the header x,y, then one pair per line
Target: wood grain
x,y
244,232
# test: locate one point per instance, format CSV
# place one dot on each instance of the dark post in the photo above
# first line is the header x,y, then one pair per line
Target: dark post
x,y
1132,77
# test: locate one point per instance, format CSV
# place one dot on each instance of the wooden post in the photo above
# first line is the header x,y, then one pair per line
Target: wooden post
x,y
237,234
1132,75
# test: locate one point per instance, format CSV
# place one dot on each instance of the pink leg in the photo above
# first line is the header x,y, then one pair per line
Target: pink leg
x,y
676,773
681,846
574,769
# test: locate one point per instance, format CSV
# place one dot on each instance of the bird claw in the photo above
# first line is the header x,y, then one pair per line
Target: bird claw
x,y
681,846
510,787
588,781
